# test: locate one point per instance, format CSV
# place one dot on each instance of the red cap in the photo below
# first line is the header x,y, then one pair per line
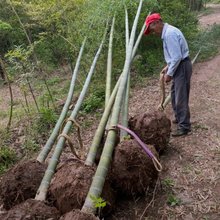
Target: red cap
x,y
151,18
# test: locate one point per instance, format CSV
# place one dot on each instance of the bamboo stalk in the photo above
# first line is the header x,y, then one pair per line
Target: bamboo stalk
x,y
47,148
123,133
42,191
109,65
102,169
124,111
101,128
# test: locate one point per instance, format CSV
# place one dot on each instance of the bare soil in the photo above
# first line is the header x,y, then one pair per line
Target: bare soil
x,y
71,183
212,18
132,171
78,215
21,182
31,210
152,127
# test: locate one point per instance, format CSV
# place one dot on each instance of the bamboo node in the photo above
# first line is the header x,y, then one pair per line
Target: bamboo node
x,y
112,128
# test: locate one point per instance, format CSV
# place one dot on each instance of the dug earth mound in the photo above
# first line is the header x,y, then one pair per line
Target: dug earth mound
x,y
30,210
21,182
71,184
78,215
132,170
152,128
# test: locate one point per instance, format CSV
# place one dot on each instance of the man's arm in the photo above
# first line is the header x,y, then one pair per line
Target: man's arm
x,y
174,50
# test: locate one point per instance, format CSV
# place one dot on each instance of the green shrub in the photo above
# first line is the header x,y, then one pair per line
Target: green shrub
x,y
30,146
94,101
206,40
173,200
7,158
45,121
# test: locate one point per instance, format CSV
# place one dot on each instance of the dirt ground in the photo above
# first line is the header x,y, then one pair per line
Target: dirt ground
x,y
188,188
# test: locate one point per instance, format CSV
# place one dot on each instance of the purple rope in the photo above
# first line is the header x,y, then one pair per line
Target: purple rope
x,y
140,142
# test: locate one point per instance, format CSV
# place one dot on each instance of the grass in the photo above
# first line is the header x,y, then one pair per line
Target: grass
x,y
172,200
168,183
3,114
7,158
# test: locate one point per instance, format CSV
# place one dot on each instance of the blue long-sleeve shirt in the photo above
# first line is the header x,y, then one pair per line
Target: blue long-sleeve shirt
x,y
175,47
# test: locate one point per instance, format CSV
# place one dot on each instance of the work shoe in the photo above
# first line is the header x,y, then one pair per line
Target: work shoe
x,y
180,132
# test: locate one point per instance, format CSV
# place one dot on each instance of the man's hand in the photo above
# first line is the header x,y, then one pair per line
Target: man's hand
x,y
164,70
167,78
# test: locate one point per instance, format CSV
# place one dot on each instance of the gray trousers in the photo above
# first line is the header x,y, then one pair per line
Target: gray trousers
x,y
180,93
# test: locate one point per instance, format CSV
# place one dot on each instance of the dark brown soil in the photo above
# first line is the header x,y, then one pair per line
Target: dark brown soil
x,y
78,215
152,127
31,210
21,182
132,170
71,184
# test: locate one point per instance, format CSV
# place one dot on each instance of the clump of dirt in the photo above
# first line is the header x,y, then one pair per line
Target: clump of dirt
x,y
71,184
21,182
78,215
153,128
132,170
32,210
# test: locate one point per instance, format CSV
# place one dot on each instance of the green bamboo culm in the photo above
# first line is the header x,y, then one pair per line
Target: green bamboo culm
x,y
124,111
42,191
109,65
102,169
50,142
125,107
101,128
109,101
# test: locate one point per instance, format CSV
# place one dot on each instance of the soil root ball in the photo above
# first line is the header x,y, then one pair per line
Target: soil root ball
x,y
71,184
32,210
152,128
21,182
132,170
78,215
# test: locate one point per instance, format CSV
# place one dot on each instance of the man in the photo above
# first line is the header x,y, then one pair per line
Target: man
x,y
178,69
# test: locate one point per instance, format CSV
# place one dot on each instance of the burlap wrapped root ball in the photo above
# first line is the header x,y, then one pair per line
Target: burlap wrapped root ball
x,y
76,214
31,209
21,182
152,128
132,171
71,184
